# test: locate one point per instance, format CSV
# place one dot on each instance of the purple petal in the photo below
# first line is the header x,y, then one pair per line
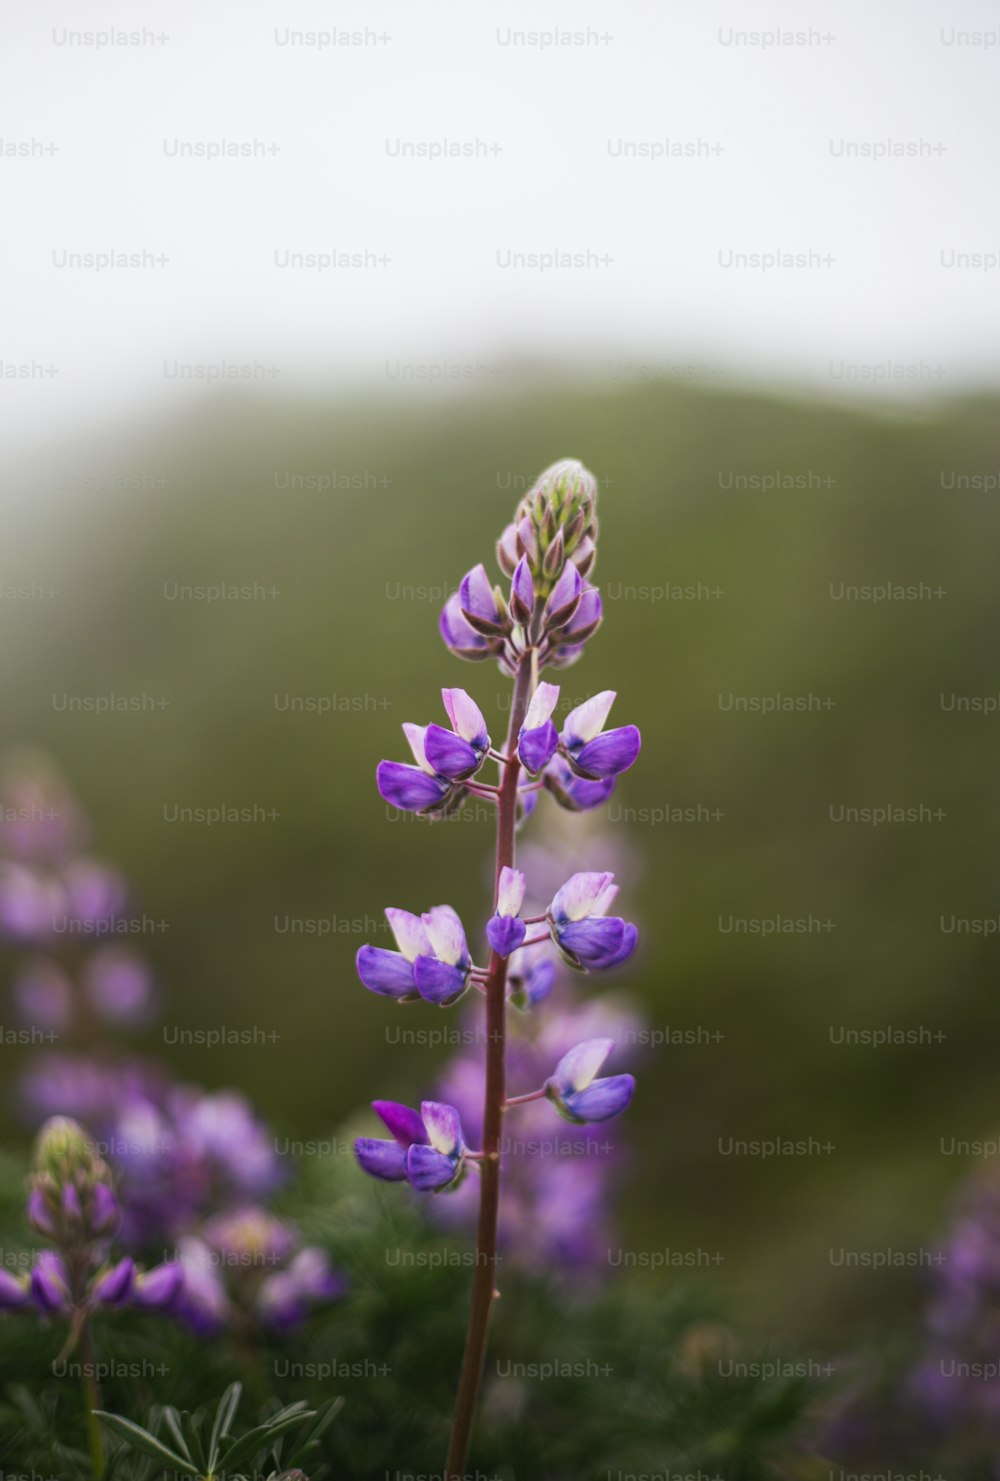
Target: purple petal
x,y
402,1122
409,788
449,754
13,1293
564,598
155,1289
539,983
105,1210
477,599
573,792
428,1170
608,755
462,639
603,1099
522,593
115,1286
39,1214
587,615
592,942
505,933
444,1127
536,748
386,972
385,1160
438,982
630,940
49,1283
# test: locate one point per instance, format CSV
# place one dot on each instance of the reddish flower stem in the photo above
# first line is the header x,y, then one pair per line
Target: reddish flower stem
x,y
484,1291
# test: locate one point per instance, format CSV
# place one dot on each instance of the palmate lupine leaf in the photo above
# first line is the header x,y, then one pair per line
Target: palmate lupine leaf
x,y
146,1443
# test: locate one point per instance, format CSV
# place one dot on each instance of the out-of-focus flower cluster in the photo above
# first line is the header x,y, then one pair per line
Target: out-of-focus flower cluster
x,y
186,1169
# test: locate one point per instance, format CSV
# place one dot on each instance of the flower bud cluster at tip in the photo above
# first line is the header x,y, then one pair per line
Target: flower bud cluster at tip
x,y
547,552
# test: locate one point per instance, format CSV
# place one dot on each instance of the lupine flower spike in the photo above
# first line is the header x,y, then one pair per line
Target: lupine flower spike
x,y
545,619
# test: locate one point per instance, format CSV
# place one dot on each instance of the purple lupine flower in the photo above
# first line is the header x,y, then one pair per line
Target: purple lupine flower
x,y
587,938
116,1285
573,792
479,603
505,930
15,1291
462,639
390,973
594,753
286,1298
522,593
413,788
538,737
50,1286
569,642
119,985
201,1301
437,1165
29,903
564,599
95,894
222,1130
457,753
44,995
578,1095
442,974
385,1159
157,1289
531,974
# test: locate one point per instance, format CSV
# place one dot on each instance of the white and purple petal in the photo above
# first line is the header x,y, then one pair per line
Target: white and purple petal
x,y
522,593
462,639
580,896
510,893
587,720
580,1065
408,929
447,935
564,597
444,1127
466,717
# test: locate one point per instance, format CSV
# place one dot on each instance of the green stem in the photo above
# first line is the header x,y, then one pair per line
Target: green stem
x,y
484,1292
91,1399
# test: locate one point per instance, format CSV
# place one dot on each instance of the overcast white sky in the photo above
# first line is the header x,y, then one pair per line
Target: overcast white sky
x,y
775,131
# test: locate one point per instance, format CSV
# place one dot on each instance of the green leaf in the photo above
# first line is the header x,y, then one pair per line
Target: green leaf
x,y
223,1419
142,1440
192,1432
264,1434
324,1417
172,1420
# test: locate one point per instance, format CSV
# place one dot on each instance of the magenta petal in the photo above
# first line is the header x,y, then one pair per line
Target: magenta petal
x,y
402,1122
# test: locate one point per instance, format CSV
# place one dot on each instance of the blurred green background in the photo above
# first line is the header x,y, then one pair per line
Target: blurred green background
x,y
360,573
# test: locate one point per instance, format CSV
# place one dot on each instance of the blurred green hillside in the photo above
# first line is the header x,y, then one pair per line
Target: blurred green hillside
x,y
753,574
